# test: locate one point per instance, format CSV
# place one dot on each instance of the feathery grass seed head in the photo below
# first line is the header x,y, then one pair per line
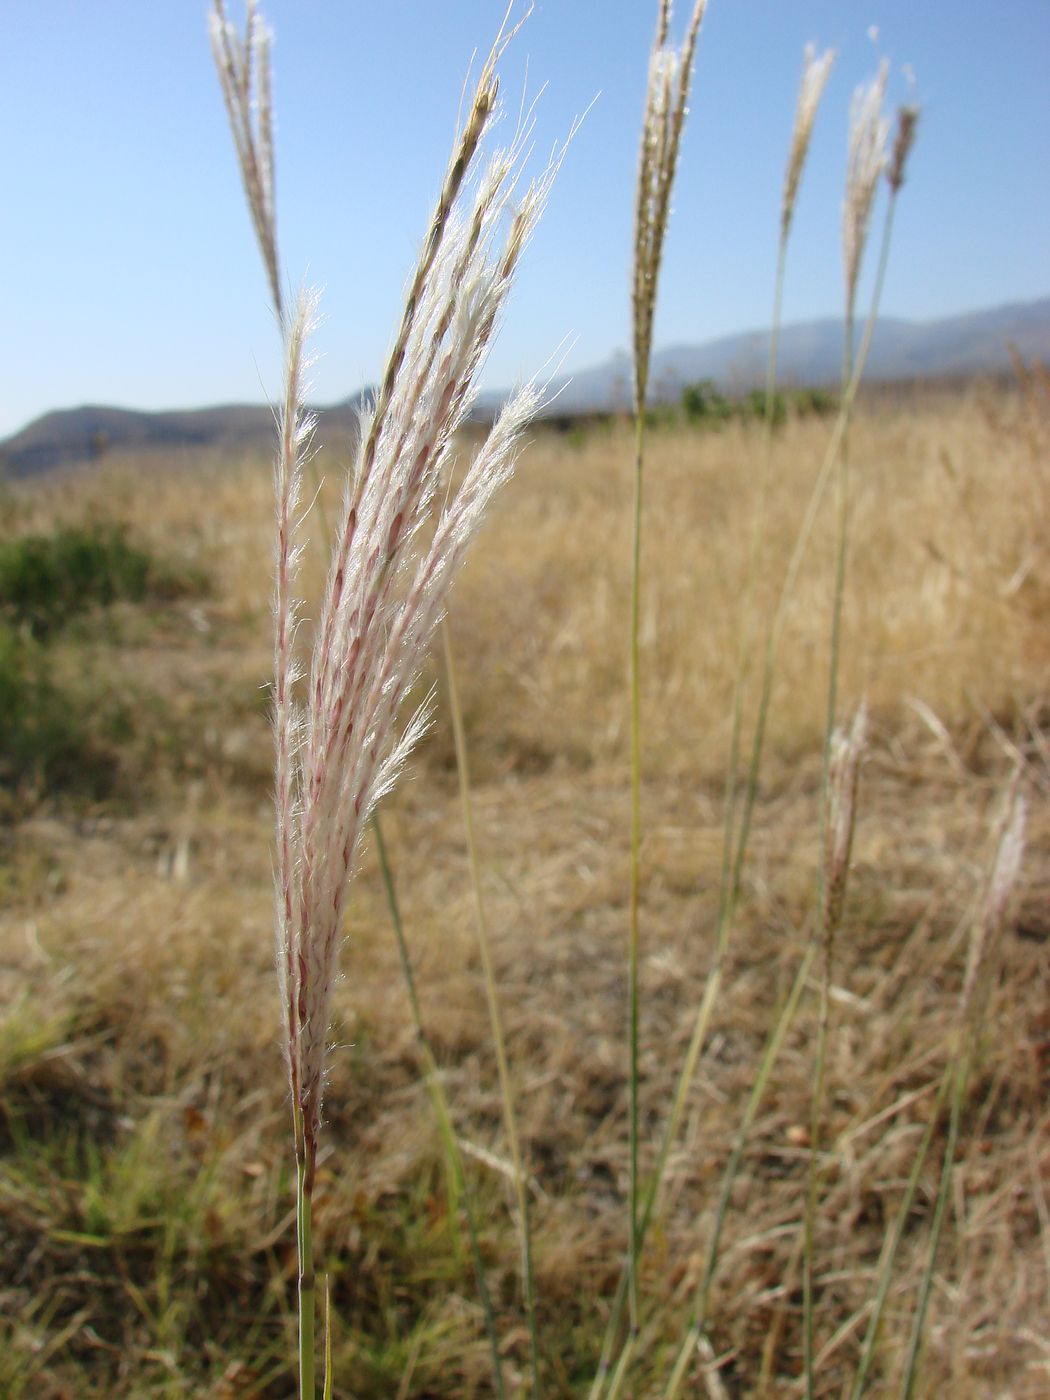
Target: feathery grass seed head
x,y
815,73
666,98
385,597
340,749
907,122
868,134
244,69
295,429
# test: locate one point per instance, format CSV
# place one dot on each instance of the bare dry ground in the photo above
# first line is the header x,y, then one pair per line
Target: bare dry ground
x,y
146,1212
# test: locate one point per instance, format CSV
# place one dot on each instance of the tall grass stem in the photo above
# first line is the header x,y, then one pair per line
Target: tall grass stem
x,y
634,1246
814,78
339,747
304,1239
773,1046
892,1242
742,668
510,1120
459,1189
834,666
911,1361
663,120
712,987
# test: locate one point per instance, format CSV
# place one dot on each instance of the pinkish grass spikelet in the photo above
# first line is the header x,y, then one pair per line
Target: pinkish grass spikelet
x,y
341,749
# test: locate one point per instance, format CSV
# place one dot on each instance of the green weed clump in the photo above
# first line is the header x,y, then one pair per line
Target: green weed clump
x,y
43,740
64,721
47,579
703,404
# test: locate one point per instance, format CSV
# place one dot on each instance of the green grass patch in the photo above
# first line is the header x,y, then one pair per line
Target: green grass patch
x,y
47,579
66,719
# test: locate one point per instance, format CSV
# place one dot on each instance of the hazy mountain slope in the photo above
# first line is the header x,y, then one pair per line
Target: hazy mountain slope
x,y
810,353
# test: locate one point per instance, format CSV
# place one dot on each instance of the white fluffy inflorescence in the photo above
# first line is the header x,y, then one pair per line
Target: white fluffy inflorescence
x,y
244,74
815,73
666,97
341,745
869,132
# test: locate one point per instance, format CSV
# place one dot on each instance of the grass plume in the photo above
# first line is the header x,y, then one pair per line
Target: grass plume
x,y
339,750
815,74
666,99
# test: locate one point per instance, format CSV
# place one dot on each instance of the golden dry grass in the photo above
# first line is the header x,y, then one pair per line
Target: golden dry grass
x,y
145,1206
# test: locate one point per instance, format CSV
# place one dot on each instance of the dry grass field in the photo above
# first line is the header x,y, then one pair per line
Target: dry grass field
x,y
147,1240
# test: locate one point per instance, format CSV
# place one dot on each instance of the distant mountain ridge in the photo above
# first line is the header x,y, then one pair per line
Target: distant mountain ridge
x,y
76,435
810,353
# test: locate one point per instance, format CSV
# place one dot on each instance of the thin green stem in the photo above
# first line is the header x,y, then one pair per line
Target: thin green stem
x,y
843,479
911,1366
893,1240
773,1046
728,913
634,1243
612,1329
495,1015
820,1065
750,579
623,1365
849,379
329,1379
809,1223
458,1188
304,1238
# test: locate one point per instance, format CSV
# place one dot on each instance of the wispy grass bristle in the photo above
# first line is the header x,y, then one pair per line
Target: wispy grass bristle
x,y
244,69
340,749
868,134
815,74
666,103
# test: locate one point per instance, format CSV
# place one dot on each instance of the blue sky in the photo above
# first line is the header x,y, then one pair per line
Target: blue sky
x,y
129,271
